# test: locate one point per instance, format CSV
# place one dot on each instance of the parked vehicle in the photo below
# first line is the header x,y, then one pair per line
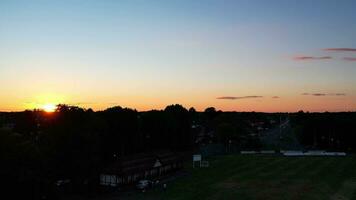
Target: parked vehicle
x,y
144,184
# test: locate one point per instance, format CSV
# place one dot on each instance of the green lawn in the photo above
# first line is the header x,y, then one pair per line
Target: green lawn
x,y
265,177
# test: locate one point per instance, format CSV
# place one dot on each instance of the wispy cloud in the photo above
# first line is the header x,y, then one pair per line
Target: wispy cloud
x,y
81,103
92,103
340,49
352,59
312,58
323,94
241,97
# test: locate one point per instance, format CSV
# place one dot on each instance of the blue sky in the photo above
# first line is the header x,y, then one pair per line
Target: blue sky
x,y
147,54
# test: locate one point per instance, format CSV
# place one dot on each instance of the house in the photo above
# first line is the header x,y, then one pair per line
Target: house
x,y
130,169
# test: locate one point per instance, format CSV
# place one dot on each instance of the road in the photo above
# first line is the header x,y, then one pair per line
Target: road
x,y
281,137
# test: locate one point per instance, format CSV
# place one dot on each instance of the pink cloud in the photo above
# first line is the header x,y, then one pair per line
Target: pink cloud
x,y
312,58
323,94
350,59
340,49
234,98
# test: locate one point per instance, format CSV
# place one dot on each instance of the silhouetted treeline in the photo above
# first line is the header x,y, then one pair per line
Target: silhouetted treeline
x,y
328,131
37,148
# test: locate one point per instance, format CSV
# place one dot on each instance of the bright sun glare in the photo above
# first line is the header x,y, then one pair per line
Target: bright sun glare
x,y
49,107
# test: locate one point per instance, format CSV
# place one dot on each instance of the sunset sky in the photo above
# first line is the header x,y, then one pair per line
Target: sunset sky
x,y
269,56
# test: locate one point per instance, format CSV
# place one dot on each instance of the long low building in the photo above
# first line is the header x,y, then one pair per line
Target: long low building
x,y
313,153
129,169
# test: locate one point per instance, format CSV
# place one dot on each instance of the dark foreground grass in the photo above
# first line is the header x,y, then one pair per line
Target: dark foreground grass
x,y
265,177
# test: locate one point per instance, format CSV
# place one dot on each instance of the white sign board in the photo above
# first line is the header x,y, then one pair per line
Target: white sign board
x,y
196,157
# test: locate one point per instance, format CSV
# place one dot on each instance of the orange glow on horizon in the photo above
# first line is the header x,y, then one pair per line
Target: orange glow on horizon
x,y
285,103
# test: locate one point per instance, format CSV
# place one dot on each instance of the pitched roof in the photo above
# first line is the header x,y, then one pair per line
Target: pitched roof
x,y
141,162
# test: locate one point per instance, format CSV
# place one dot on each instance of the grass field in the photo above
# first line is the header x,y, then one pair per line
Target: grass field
x,y
265,177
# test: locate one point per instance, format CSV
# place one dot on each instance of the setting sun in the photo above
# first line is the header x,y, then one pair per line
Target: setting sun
x,y
49,107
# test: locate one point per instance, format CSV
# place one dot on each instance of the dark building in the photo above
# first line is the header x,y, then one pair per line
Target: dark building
x,y
129,169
